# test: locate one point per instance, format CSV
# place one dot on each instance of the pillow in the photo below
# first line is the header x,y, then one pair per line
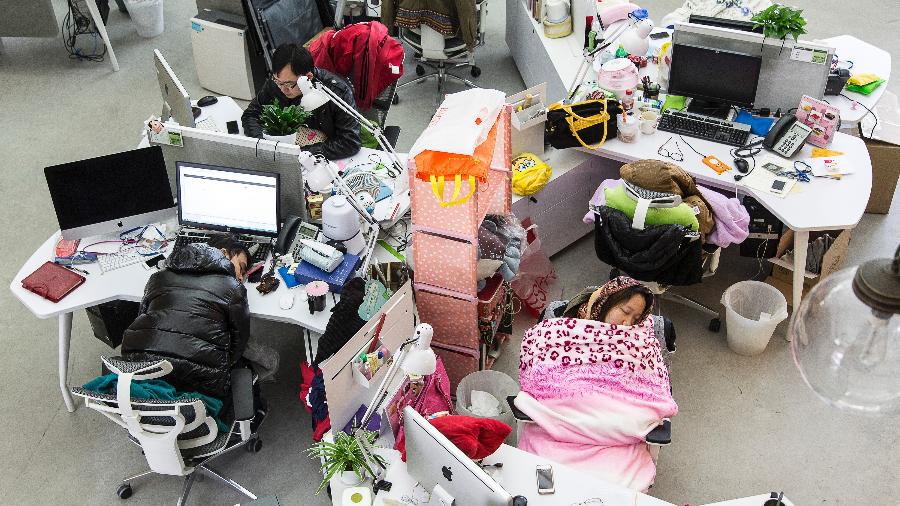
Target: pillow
x,y
476,437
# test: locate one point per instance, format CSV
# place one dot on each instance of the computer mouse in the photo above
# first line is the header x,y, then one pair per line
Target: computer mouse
x,y
742,165
286,301
207,100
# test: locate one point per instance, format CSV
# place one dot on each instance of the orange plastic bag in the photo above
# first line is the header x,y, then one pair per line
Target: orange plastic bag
x,y
437,166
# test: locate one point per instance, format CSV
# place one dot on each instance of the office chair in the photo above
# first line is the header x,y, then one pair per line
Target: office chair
x,y
442,53
177,438
685,253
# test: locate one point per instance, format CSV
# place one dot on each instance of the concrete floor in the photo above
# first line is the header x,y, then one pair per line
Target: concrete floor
x,y
746,425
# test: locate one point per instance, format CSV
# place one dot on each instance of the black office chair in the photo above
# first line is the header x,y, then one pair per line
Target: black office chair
x,y
177,438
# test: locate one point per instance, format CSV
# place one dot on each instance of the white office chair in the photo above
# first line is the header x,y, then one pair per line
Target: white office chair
x,y
442,53
178,438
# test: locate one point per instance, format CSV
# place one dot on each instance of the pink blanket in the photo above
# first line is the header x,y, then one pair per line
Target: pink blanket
x,y
594,391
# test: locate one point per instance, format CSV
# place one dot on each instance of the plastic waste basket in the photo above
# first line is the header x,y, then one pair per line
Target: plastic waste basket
x,y
147,16
496,383
752,311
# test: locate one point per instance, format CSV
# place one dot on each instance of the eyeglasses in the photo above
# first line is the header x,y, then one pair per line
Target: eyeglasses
x,y
290,85
676,155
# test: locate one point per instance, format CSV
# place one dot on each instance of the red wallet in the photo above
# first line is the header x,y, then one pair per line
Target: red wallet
x,y
52,281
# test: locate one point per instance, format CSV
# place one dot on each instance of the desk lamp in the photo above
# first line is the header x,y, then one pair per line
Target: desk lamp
x,y
320,175
419,361
316,95
846,338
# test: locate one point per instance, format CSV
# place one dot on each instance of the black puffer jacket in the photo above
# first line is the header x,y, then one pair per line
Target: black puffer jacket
x,y
195,315
340,128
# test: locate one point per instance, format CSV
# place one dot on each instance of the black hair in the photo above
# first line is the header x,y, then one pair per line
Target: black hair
x,y
623,295
295,55
230,244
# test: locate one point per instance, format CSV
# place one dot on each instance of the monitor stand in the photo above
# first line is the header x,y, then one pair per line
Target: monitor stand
x,y
711,108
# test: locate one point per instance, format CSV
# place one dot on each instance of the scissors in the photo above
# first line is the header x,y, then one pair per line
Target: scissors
x,y
803,171
382,167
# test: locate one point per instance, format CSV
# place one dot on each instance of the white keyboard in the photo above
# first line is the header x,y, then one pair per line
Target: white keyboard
x,y
208,124
115,261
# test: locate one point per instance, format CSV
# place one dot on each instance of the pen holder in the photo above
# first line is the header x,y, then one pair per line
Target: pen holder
x,y
315,296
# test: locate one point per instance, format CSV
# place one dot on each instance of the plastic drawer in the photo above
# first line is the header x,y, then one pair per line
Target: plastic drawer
x,y
445,262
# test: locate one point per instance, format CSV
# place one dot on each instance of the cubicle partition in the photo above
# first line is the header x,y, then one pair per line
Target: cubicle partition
x,y
227,150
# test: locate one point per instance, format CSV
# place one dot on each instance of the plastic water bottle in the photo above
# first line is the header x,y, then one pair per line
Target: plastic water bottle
x,y
628,101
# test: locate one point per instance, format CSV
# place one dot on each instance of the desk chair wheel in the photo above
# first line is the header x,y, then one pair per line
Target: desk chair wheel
x,y
396,99
715,325
254,445
124,491
476,71
420,70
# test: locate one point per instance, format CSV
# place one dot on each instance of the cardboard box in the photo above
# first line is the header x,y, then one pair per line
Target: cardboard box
x,y
885,172
783,272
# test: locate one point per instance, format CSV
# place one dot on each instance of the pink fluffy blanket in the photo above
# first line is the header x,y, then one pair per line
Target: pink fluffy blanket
x,y
594,391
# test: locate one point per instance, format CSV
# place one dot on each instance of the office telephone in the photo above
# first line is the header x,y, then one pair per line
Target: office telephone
x,y
787,136
292,231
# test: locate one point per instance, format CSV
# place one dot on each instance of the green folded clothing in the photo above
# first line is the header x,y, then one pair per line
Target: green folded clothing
x,y
865,90
674,102
681,214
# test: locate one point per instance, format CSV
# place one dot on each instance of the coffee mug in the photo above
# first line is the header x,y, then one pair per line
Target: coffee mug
x,y
647,122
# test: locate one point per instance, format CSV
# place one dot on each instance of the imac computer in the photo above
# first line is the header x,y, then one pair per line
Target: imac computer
x,y
442,469
176,101
228,200
714,79
112,193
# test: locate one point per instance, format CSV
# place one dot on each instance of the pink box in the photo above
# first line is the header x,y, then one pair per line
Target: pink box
x,y
445,313
445,262
458,361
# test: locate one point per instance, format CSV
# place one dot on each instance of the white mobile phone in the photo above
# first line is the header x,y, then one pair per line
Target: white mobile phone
x,y
545,479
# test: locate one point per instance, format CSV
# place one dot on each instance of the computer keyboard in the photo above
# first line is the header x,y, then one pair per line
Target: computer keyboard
x,y
113,261
207,124
259,251
704,127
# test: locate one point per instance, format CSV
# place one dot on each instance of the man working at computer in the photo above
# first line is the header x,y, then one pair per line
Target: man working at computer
x,y
291,61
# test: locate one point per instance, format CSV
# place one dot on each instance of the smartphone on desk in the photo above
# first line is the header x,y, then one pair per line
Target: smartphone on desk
x,y
545,479
155,262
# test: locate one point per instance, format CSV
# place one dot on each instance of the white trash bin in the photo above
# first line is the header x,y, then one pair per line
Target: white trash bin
x,y
147,16
496,383
752,311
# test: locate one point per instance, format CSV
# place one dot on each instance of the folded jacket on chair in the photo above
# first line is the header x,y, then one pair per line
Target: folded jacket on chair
x,y
681,214
659,253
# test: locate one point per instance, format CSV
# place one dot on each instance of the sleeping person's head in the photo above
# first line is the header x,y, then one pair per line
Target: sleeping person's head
x,y
621,301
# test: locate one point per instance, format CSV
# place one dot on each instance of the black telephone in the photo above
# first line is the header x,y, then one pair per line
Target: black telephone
x,y
292,227
787,136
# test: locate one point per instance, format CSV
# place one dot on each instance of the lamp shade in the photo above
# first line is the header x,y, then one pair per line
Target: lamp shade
x,y
636,40
421,360
312,98
846,338
315,172
618,74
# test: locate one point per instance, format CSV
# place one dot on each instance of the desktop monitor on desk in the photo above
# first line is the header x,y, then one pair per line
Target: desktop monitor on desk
x,y
111,193
445,471
714,79
176,101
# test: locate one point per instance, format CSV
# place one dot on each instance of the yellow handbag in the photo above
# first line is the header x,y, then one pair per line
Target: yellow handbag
x,y
529,174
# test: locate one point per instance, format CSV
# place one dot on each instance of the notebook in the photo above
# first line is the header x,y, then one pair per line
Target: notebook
x,y
52,281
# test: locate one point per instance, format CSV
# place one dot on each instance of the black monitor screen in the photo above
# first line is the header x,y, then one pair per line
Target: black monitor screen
x,y
712,74
109,187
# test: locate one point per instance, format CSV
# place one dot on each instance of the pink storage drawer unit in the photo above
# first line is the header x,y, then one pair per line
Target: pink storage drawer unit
x,y
459,361
449,315
451,263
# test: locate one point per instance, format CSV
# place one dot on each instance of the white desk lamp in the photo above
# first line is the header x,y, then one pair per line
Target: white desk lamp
x,y
419,361
637,29
316,95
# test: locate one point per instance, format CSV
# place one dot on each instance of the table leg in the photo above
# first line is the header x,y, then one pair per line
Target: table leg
x,y
801,244
95,15
65,336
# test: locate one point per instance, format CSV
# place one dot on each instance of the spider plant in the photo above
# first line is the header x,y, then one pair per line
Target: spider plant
x,y
277,120
343,454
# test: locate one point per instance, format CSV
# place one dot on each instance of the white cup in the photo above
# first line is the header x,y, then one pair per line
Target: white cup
x,y
647,122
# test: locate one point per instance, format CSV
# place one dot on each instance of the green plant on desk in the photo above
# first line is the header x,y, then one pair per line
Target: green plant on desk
x,y
277,120
779,21
344,454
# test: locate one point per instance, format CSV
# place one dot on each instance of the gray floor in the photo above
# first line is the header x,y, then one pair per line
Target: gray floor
x,y
746,425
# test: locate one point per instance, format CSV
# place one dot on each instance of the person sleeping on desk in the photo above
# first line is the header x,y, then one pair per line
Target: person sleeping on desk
x,y
340,129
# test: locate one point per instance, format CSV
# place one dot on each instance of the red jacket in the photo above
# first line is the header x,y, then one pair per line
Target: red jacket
x,y
365,54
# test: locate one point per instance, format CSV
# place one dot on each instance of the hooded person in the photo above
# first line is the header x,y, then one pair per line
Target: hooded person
x,y
595,383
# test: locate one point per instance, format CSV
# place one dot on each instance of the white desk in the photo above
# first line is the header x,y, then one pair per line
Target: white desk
x,y
866,58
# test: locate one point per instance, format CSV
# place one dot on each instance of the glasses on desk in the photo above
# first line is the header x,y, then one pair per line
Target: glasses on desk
x,y
288,85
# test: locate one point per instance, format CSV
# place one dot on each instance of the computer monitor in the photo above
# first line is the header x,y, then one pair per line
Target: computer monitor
x,y
226,199
176,101
714,79
111,193
445,471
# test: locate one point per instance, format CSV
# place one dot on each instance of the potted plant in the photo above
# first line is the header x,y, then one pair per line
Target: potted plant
x,y
281,123
779,21
345,457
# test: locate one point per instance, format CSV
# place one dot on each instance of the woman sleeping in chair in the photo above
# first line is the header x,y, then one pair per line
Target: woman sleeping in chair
x,y
595,384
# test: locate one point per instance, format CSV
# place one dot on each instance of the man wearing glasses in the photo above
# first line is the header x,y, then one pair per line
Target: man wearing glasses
x,y
291,61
